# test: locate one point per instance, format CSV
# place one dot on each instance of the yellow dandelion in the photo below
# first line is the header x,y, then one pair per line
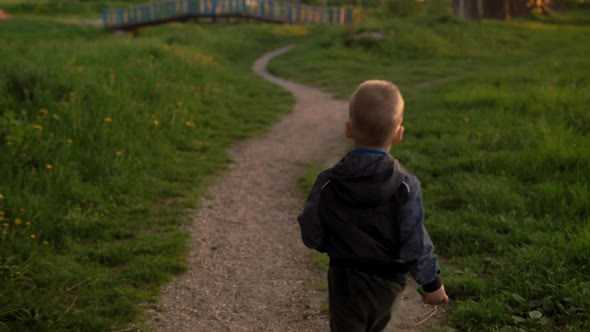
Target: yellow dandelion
x,y
119,153
45,243
1,196
1,218
55,116
70,141
49,166
189,124
38,127
43,112
33,236
28,223
108,120
5,224
156,122
18,221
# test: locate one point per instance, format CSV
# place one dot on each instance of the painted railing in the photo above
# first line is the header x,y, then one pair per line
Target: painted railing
x,y
264,10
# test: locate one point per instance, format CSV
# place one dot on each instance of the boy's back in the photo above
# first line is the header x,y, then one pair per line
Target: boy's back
x,y
366,213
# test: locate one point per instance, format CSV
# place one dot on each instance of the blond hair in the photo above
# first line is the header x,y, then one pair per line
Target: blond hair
x,y
375,112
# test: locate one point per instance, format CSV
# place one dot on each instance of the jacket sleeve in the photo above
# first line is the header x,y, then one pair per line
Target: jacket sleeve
x,y
309,220
417,250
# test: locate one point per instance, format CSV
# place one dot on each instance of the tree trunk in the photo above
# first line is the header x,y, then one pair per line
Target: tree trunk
x,y
506,10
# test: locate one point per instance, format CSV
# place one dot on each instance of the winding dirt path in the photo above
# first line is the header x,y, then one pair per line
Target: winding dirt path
x,y
248,269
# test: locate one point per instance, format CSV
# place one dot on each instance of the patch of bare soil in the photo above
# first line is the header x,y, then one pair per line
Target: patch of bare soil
x,y
248,269
4,15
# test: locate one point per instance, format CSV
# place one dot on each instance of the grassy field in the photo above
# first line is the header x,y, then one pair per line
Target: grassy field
x,y
105,141
497,129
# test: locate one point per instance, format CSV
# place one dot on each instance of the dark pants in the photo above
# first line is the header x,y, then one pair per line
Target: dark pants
x,y
360,302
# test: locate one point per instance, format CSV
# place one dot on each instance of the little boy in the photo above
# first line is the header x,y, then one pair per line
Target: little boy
x,y
366,213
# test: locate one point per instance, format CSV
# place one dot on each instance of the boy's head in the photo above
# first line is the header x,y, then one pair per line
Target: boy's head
x,y
375,115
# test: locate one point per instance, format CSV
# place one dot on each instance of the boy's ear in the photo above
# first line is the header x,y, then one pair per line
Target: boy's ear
x,y
347,130
399,135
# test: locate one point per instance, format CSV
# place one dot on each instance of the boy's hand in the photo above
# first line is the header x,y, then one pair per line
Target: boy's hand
x,y
437,297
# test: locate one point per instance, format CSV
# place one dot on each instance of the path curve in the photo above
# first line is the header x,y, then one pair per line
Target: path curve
x,y
248,269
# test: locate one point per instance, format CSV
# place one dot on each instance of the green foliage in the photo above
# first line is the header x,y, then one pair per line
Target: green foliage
x,y
402,8
62,7
496,129
105,141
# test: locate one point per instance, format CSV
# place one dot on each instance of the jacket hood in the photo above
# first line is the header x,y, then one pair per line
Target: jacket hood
x,y
363,180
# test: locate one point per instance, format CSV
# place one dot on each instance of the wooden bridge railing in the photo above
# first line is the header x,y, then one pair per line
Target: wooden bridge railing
x,y
264,10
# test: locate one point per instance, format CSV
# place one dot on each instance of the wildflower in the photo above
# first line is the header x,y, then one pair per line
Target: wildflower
x,y
28,223
156,122
18,221
43,112
45,243
55,116
108,120
119,153
38,127
70,141
189,124
5,225
1,196
1,218
33,236
49,166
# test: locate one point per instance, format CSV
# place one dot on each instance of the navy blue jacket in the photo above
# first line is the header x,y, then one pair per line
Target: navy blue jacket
x,y
366,179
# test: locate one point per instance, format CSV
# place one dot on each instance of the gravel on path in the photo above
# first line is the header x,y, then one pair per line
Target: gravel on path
x,y
248,269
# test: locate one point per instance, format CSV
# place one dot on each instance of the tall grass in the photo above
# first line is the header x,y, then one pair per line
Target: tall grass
x,y
497,129
105,141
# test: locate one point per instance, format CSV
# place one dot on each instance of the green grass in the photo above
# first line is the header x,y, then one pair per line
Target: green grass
x,y
497,129
105,143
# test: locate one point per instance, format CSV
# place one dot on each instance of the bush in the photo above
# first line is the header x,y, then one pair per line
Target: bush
x,y
403,8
